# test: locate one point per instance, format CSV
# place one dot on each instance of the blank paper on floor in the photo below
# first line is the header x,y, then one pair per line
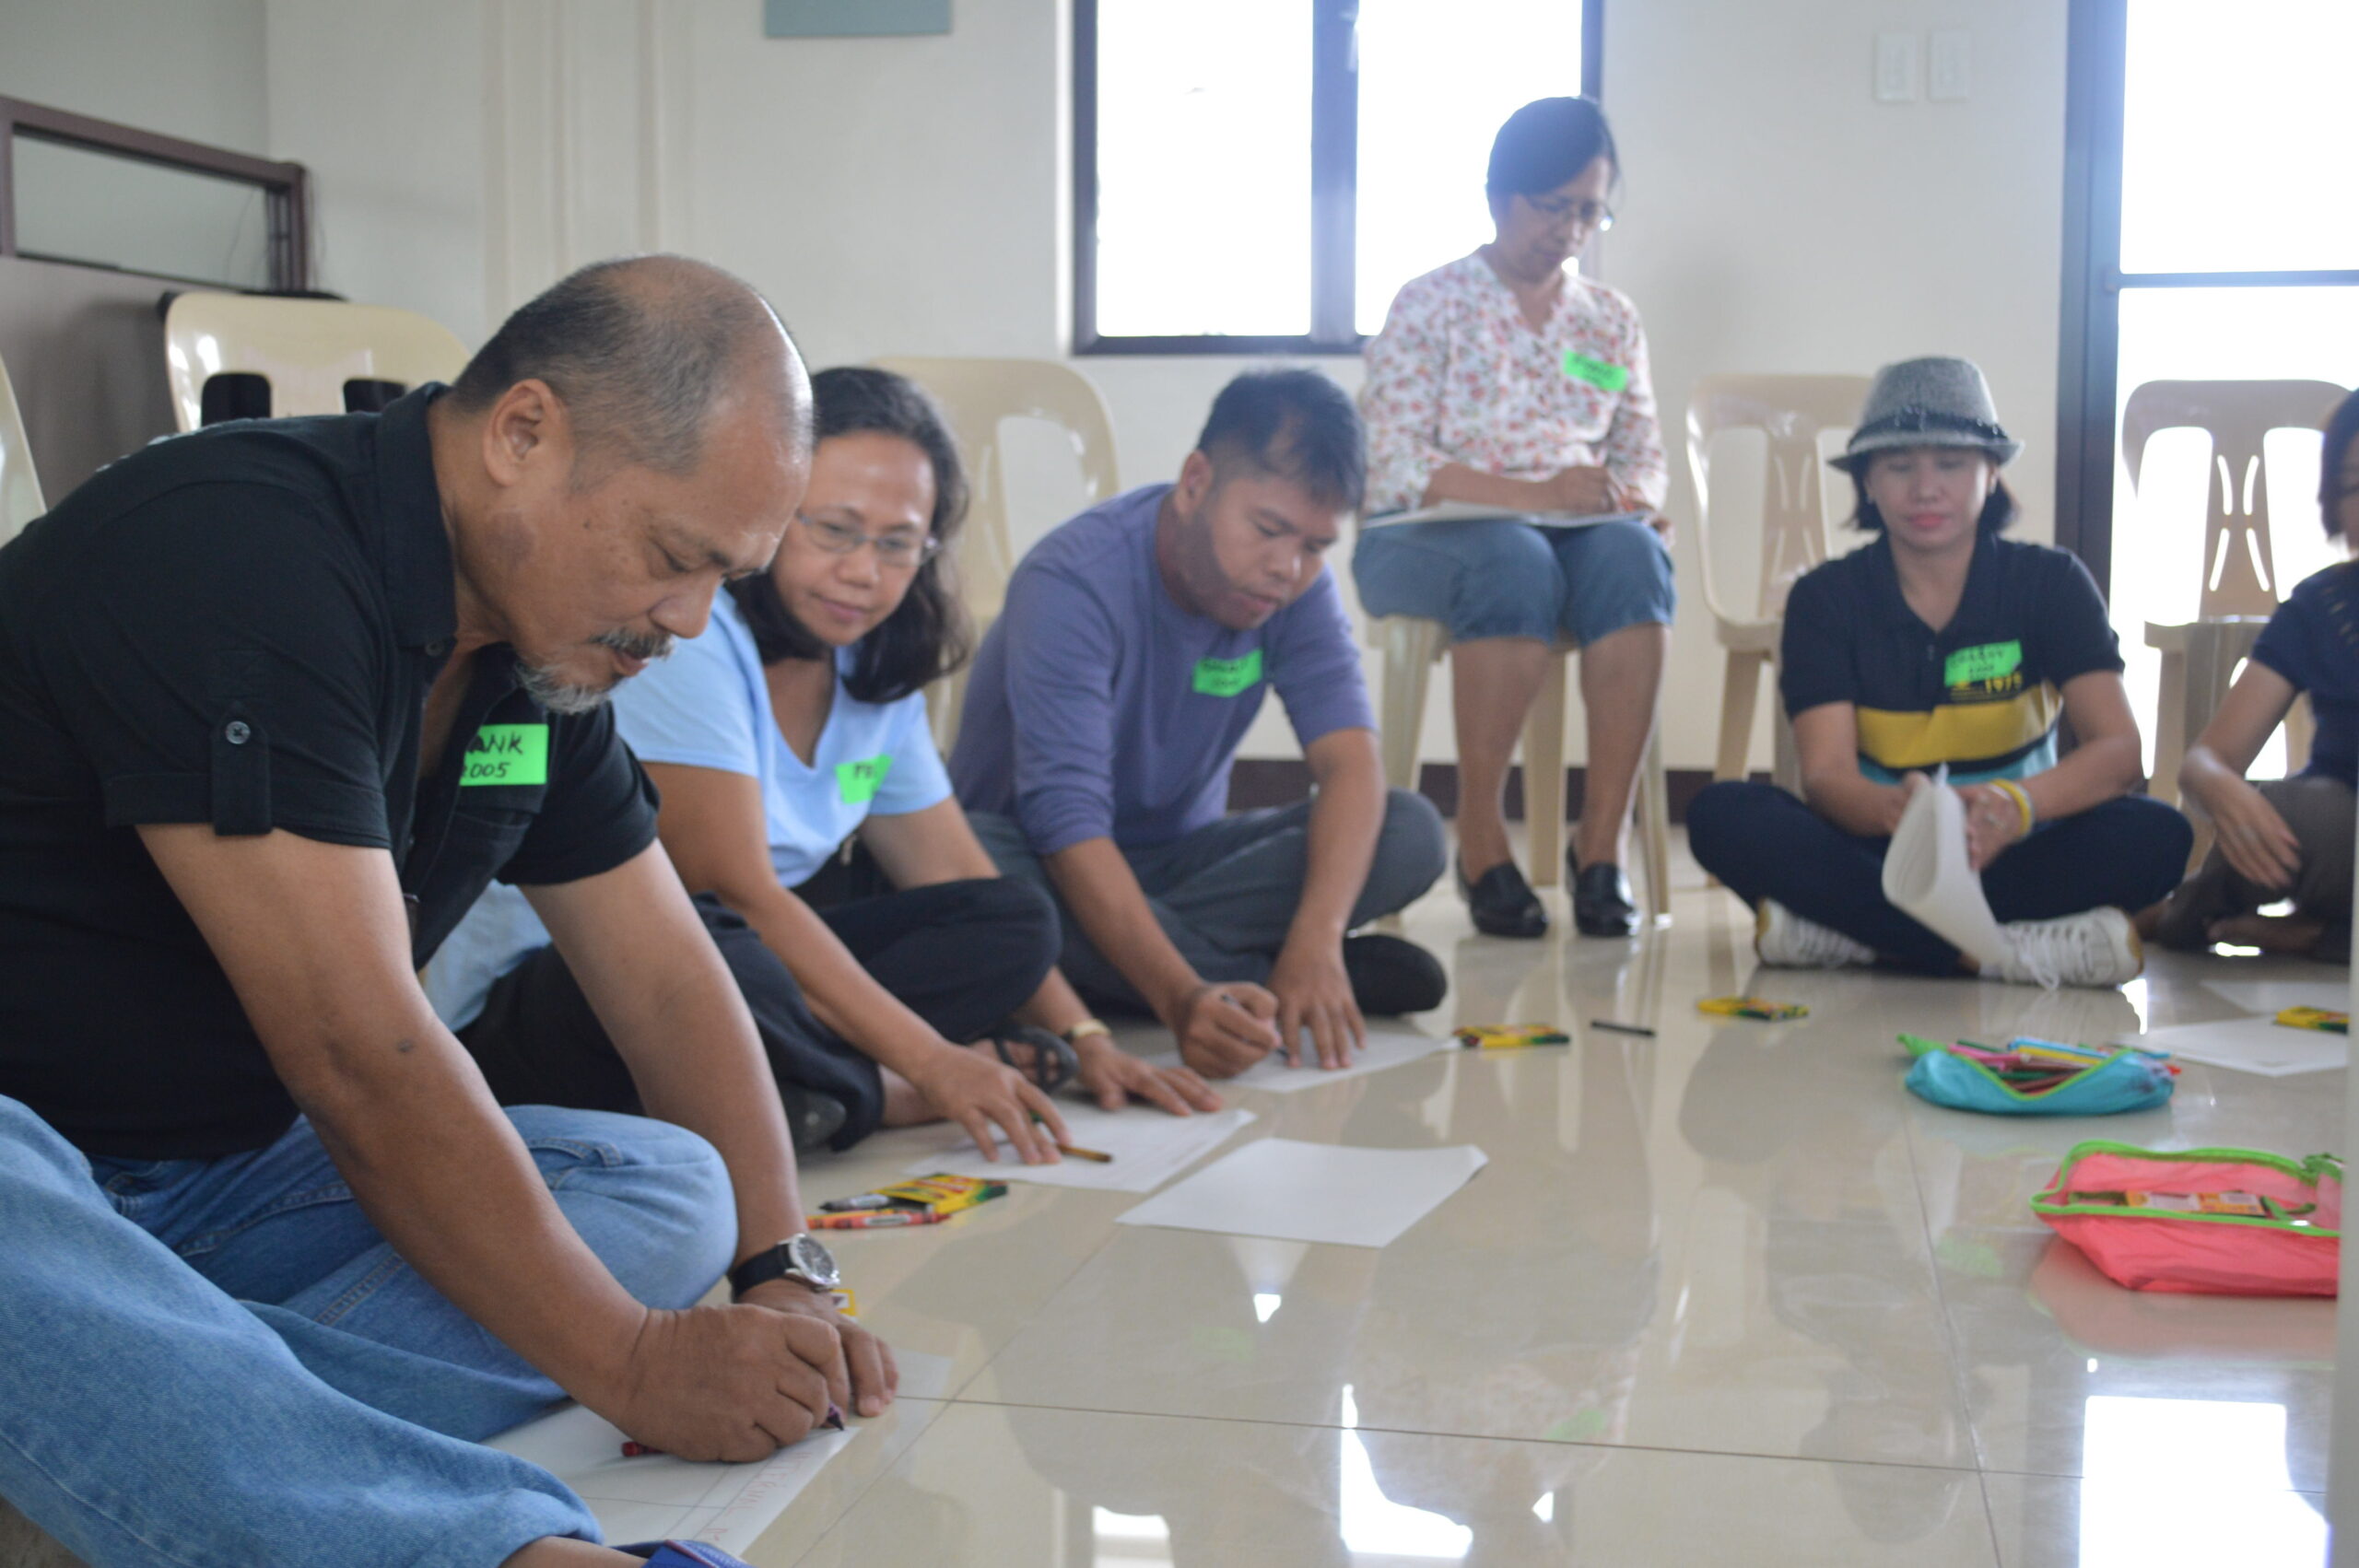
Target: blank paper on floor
x,y
661,1498
1386,1048
1315,1192
1149,1146
2276,995
2249,1045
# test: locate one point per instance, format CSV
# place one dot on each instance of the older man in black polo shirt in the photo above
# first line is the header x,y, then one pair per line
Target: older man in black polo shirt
x,y
276,701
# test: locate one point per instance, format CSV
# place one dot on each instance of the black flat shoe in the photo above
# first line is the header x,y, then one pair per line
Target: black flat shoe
x,y
1503,902
1390,976
1601,903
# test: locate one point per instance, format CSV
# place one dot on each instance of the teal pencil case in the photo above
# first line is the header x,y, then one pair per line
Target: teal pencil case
x,y
2127,1080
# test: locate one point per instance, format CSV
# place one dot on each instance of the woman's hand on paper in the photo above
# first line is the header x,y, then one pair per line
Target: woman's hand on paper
x,y
1994,824
987,1097
1314,993
1587,491
1112,1075
2253,837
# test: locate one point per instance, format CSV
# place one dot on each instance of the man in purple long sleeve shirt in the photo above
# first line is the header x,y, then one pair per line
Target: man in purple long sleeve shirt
x,y
1105,711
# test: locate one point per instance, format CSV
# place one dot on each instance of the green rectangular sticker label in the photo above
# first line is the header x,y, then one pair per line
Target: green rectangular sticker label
x,y
1226,677
508,754
1991,662
859,780
1596,372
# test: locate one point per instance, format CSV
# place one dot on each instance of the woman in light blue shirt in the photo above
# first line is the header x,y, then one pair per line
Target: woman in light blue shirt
x,y
901,981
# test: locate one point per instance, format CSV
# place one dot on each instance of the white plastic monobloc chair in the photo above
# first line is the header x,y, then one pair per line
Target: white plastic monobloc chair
x,y
307,349
980,395
21,499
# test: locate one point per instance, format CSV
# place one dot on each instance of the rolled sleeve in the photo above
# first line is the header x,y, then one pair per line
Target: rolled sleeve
x,y
1316,666
1814,654
1060,704
253,704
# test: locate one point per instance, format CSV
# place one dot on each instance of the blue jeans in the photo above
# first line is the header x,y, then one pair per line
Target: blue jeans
x,y
1498,577
1225,895
220,1363
1764,843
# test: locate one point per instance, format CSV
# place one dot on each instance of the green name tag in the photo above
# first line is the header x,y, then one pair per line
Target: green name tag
x,y
508,754
1226,677
1596,372
1991,662
859,780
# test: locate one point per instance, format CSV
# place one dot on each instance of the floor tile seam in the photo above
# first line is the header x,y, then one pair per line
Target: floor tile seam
x,y
1989,1517
1953,1341
861,1489
1478,1436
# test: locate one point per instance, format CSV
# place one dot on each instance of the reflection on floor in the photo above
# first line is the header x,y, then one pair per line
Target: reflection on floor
x,y
1727,1294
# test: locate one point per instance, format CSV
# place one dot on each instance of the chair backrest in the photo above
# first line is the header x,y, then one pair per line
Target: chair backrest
x,y
2239,571
307,349
1790,412
21,499
979,395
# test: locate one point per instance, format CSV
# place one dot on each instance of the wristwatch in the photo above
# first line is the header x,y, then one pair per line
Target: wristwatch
x,y
798,1258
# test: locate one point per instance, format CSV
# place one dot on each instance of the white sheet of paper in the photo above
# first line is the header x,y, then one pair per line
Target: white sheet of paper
x,y
2276,995
1149,1146
2249,1045
1466,511
661,1498
1926,876
1316,1192
1387,1047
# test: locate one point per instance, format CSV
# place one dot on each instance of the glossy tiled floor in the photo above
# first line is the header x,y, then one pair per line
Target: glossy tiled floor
x,y
1726,1295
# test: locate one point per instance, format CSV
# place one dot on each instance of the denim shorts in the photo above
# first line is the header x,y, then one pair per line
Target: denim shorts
x,y
1498,577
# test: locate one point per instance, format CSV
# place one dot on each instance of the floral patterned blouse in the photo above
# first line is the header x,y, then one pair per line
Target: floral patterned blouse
x,y
1459,376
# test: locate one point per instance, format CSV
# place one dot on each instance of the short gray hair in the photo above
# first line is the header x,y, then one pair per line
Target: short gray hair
x,y
640,349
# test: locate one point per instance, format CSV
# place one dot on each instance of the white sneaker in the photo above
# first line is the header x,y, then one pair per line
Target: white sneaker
x,y
1783,939
2099,948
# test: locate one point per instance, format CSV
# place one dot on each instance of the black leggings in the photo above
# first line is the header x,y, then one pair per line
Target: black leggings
x,y
1764,843
962,955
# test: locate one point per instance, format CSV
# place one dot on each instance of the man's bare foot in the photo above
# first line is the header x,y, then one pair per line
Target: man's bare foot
x,y
2271,933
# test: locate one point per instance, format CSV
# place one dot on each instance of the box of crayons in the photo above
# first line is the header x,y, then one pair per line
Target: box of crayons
x,y
922,1200
2318,1018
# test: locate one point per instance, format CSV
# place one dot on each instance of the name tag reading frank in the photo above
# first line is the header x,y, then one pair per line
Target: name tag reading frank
x,y
1226,677
508,754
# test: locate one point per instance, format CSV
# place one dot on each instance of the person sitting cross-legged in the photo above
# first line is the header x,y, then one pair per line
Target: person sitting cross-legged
x,y
1106,708
1943,644
278,699
2288,838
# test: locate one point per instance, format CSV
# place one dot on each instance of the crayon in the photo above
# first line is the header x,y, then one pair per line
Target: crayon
x,y
1084,1154
854,1205
1621,1028
834,1421
891,1219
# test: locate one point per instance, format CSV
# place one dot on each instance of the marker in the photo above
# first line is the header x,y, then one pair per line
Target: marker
x,y
1621,1028
877,1221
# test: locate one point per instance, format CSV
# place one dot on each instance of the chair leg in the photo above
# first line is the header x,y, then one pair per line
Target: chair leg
x,y
1410,647
1543,776
1739,692
1654,829
2170,729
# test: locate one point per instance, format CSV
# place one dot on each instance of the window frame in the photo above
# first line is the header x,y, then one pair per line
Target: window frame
x,y
1334,168
2089,341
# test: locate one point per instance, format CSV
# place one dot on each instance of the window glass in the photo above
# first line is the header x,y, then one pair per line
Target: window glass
x,y
76,205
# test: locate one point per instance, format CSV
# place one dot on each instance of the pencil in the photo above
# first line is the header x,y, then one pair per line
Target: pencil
x,y
1621,1028
1084,1154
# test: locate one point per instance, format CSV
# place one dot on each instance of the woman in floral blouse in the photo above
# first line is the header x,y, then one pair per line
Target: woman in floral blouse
x,y
1506,381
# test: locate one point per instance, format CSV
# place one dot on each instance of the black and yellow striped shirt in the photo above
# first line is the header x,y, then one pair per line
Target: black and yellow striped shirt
x,y
1983,694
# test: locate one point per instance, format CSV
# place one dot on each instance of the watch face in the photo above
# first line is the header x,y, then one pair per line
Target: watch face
x,y
814,1262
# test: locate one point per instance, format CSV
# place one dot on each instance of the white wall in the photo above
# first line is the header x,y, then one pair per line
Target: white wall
x,y
909,195
190,68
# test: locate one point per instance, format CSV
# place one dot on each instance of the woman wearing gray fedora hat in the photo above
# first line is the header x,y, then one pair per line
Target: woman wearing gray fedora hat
x,y
1942,644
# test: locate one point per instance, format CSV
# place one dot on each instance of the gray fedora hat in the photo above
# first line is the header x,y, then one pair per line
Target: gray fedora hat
x,y
1934,401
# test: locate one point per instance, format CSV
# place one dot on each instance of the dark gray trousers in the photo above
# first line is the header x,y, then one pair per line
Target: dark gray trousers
x,y
2320,811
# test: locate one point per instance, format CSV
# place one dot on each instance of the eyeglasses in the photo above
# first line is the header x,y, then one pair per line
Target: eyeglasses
x,y
901,552
1595,216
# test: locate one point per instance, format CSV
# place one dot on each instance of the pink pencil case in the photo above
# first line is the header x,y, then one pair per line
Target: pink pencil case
x,y
2293,1247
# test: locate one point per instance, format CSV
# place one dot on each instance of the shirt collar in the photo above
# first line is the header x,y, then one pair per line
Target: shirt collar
x,y
1973,605
420,585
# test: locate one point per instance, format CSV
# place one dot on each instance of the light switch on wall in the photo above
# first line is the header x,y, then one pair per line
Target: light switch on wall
x,y
1952,62
1895,79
